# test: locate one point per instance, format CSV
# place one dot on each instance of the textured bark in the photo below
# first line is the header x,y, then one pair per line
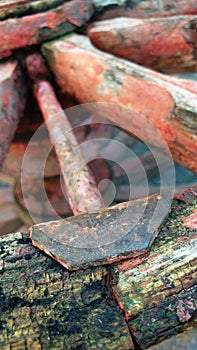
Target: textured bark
x,y
12,103
34,29
158,294
161,43
96,76
44,306
148,8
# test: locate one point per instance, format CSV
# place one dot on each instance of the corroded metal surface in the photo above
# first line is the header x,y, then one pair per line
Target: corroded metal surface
x,y
83,194
113,234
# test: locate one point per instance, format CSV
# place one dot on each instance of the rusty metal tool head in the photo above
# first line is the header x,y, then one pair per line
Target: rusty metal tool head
x,y
97,235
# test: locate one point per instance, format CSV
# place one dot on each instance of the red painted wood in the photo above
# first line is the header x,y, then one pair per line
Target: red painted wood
x,y
159,43
96,76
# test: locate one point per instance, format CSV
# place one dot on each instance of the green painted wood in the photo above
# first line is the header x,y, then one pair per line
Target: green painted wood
x,y
158,293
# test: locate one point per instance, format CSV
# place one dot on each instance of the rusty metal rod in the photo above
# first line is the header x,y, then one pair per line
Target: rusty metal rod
x,y
81,189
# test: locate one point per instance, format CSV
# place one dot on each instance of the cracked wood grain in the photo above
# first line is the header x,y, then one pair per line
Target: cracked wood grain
x,y
45,307
158,293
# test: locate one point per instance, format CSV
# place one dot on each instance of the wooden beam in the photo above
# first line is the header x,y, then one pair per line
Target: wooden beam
x,y
105,9
163,44
93,76
36,28
158,293
45,307
12,102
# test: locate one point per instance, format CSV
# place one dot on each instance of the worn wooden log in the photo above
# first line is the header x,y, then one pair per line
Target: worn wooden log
x,y
158,294
36,28
45,307
160,43
19,8
105,9
12,103
96,76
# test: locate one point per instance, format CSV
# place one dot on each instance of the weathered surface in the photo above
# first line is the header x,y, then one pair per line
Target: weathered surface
x,y
161,44
96,76
45,307
39,27
80,185
147,8
19,8
110,235
33,207
184,341
42,306
158,293
190,85
12,102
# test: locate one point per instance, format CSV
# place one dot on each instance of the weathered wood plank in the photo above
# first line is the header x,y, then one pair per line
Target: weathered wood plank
x,y
44,307
159,293
163,44
12,102
96,76
19,8
36,28
143,9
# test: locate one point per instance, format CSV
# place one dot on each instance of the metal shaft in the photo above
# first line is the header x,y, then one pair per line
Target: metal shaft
x,y
83,194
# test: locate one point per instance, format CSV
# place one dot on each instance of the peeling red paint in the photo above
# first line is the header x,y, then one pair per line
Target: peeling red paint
x,y
156,43
127,316
182,239
33,29
127,85
191,221
121,305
